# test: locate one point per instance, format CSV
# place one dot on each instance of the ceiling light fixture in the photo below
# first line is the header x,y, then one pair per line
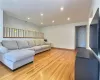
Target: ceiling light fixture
x,y
53,21
62,8
28,18
41,14
68,18
41,22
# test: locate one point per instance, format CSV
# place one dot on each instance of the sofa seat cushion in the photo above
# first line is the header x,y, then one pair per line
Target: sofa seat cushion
x,y
16,55
45,46
35,48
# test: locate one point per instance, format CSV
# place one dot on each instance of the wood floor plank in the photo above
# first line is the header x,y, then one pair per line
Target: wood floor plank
x,y
55,64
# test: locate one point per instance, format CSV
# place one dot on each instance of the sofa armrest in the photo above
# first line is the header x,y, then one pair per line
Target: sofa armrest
x,y
3,50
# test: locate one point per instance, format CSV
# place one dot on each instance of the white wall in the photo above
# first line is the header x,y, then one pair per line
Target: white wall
x,y
1,24
62,36
13,22
95,6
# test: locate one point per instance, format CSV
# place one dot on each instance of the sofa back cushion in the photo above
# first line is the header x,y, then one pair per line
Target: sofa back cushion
x,y
42,41
10,45
37,42
22,44
31,43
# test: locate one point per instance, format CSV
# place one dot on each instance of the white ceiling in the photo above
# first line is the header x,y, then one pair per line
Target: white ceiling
x,y
77,10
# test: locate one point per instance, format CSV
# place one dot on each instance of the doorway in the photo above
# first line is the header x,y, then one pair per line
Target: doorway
x,y
80,32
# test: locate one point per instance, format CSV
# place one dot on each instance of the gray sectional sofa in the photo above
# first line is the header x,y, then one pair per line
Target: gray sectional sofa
x,y
15,54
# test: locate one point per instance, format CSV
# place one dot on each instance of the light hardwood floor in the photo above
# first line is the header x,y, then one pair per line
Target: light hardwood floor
x,y
55,64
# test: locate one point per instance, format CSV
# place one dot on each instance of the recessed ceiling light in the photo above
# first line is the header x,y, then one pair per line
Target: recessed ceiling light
x,y
62,8
41,22
28,18
41,14
53,21
68,18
